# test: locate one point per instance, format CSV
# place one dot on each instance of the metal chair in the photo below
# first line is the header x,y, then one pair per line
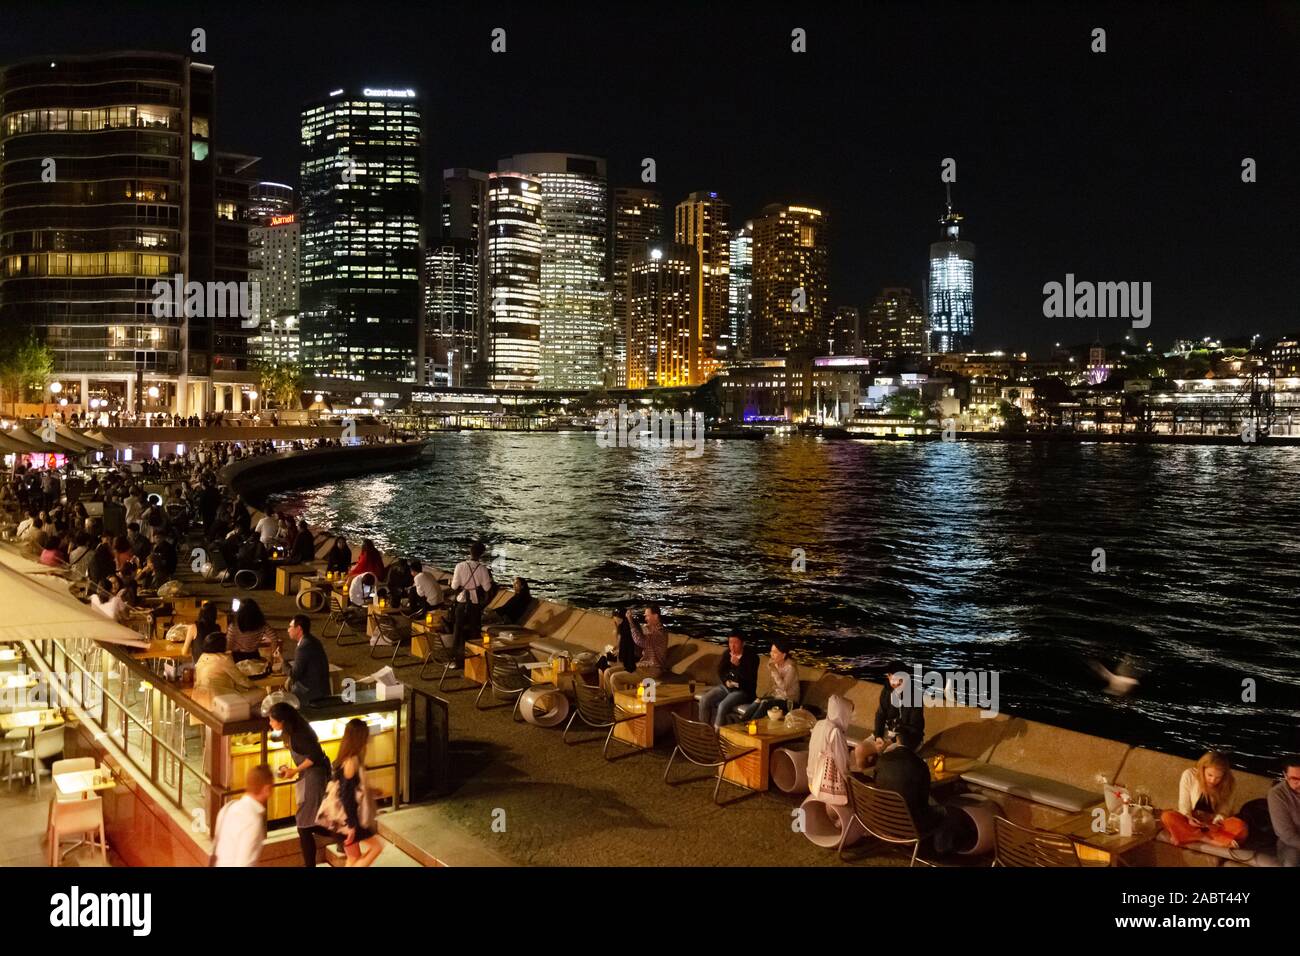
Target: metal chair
x,y
1025,846
345,615
597,711
885,815
507,679
704,746
388,633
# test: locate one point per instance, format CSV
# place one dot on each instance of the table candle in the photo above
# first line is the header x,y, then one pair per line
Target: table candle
x,y
753,726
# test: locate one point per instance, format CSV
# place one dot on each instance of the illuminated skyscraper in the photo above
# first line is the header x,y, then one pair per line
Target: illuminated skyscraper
x,y
740,289
895,326
845,335
575,303
464,219
268,200
951,323
636,221
790,309
361,168
514,278
663,327
452,299
273,253
701,222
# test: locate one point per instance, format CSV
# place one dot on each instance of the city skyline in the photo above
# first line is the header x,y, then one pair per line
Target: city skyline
x,y
1069,199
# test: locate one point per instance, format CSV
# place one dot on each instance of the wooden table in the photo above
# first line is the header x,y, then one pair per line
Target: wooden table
x,y
1099,846
476,662
30,719
752,770
640,731
162,650
84,782
17,681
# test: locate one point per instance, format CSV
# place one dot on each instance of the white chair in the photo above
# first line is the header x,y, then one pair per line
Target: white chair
x,y
48,744
80,818
70,765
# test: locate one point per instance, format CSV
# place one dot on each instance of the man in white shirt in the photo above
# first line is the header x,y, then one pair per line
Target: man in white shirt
x,y
134,504
357,589
241,826
268,529
426,586
113,607
472,582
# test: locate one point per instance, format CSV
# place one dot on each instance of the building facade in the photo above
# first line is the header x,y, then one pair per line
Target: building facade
x,y
453,293
790,305
361,174
636,221
514,279
663,328
575,306
273,256
701,221
845,336
951,323
110,191
895,325
740,289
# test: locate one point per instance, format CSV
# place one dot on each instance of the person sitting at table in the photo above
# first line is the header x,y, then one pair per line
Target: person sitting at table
x,y
784,672
339,557
900,769
828,753
1205,805
196,633
52,554
304,545
122,552
140,545
164,550
737,683
368,561
309,672
268,529
900,706
1284,812
622,656
399,579
248,631
513,610
109,600
426,591
153,576
361,588
80,556
651,642
101,566
253,556
215,673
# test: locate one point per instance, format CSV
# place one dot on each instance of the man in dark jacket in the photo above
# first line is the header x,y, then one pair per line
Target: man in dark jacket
x,y
737,683
901,705
309,673
902,770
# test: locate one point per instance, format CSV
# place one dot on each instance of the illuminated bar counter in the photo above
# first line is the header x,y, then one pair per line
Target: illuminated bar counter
x,y
176,762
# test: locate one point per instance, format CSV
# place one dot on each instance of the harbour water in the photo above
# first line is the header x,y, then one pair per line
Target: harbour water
x,y
951,555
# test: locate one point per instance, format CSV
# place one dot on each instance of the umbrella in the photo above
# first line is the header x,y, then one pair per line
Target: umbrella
x,y
38,607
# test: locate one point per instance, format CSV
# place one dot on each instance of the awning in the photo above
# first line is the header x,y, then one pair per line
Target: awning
x,y
34,444
37,606
76,438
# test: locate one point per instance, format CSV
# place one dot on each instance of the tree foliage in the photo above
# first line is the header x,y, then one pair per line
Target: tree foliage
x,y
25,368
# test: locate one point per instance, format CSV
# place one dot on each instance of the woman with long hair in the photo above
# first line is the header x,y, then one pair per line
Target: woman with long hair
x,y
339,557
199,630
369,561
361,844
248,631
784,674
311,767
1205,805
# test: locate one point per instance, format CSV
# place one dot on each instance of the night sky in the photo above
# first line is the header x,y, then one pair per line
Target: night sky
x,y
1123,166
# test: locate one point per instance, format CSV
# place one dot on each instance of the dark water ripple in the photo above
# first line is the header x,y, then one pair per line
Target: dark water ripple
x,y
957,555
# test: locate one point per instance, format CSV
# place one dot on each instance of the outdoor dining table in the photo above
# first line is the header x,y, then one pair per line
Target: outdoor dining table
x,y
84,782
1099,847
31,721
476,652
640,731
753,769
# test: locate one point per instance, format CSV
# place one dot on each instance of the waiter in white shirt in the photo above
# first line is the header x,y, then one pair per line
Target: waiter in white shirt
x,y
241,826
472,582
268,529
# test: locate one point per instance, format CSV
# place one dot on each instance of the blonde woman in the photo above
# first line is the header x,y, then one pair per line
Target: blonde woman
x,y
1205,805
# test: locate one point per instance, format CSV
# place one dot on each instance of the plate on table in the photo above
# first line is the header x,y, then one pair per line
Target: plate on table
x,y
251,668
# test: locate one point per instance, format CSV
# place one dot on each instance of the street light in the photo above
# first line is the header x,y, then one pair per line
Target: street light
x,y
153,391
56,387
379,403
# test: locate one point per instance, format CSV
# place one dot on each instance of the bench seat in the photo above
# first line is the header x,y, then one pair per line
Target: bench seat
x,y
1028,786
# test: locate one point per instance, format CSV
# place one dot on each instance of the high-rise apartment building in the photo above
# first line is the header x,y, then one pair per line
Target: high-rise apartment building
x,y
575,306
112,184
514,280
740,289
790,309
845,335
895,325
464,220
636,221
701,222
453,297
951,297
273,254
663,316
361,172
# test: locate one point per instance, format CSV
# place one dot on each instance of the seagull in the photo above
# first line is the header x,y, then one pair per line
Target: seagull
x,y
1117,684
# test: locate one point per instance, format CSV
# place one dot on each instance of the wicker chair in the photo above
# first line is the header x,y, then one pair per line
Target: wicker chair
x,y
1025,846
597,711
346,616
389,633
885,815
507,679
704,746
